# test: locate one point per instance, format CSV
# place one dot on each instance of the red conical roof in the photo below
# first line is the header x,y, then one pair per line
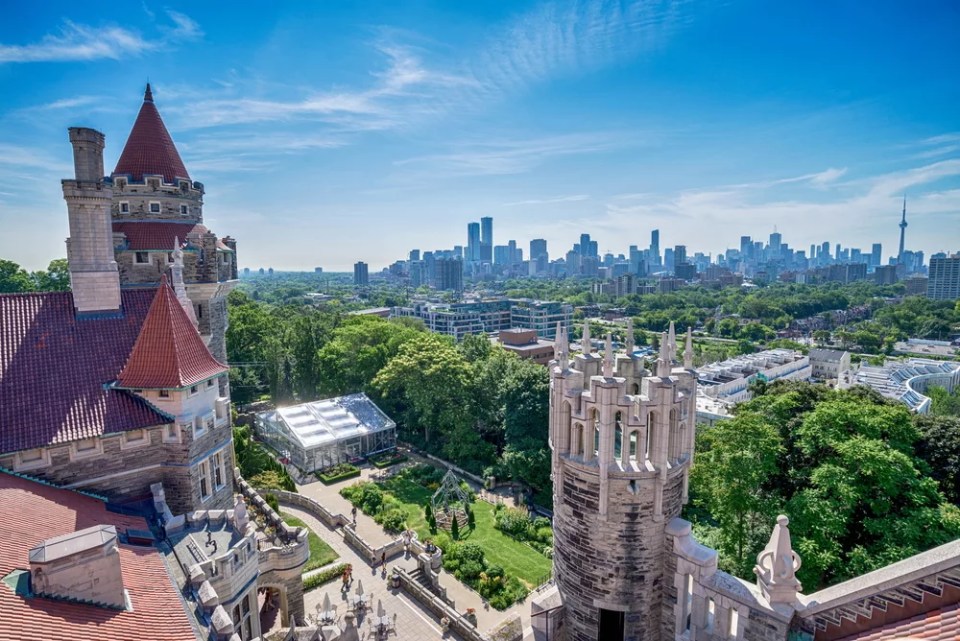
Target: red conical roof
x,y
169,353
149,148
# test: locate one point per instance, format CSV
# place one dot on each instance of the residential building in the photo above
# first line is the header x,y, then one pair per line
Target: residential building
x,y
473,242
525,344
828,364
944,277
729,380
449,274
361,274
486,239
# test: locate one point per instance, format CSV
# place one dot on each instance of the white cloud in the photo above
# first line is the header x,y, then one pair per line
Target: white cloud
x,y
82,42
549,201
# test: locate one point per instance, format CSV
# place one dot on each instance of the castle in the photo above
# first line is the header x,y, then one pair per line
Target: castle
x,y
626,566
115,409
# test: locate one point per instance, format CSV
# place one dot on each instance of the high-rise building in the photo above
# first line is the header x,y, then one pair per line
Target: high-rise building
x,y
486,239
538,248
944,277
361,277
513,256
449,274
501,255
414,254
876,255
776,240
655,248
473,242
679,255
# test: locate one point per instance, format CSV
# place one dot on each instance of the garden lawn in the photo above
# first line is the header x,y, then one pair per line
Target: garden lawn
x,y
514,557
320,553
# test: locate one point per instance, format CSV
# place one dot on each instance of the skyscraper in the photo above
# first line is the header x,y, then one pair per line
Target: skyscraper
x,y
944,282
486,239
776,240
655,247
679,254
449,274
414,254
903,229
361,276
538,248
473,242
876,255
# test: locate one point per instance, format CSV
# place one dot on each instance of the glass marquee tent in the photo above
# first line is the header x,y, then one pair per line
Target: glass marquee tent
x,y
323,433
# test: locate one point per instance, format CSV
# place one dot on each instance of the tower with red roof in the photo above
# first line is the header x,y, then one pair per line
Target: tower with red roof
x,y
155,203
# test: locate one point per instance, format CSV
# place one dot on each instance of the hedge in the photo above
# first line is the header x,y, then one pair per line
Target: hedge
x,y
387,461
322,578
338,473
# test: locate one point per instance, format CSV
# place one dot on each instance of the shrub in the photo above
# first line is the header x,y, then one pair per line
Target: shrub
x,y
268,480
471,519
338,473
272,501
393,520
454,528
322,578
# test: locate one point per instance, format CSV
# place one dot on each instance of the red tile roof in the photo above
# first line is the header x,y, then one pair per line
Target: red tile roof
x,y
942,624
34,512
146,236
54,369
149,148
169,352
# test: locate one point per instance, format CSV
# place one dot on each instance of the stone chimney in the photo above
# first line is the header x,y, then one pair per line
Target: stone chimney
x,y
83,565
777,565
94,278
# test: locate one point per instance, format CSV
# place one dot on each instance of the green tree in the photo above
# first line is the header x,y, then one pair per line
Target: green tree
x,y
939,447
454,529
14,278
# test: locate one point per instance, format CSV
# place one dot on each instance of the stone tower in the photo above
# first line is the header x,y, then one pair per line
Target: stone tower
x,y
93,270
156,206
622,441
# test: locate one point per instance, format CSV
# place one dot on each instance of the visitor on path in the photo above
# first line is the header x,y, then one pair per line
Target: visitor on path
x,y
383,559
353,513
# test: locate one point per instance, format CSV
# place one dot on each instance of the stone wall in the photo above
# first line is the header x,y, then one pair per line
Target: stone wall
x,y
138,197
458,623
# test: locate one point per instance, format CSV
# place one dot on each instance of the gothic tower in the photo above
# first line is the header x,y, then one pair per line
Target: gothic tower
x,y
156,206
622,441
93,270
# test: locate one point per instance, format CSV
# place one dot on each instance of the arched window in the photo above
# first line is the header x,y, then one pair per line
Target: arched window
x,y
596,434
635,389
566,428
577,445
618,437
673,447
634,439
651,441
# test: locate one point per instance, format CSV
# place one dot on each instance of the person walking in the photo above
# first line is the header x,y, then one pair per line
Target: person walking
x,y
383,558
353,513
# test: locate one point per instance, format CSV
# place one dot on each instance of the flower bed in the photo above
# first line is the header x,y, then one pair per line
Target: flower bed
x,y
338,473
382,461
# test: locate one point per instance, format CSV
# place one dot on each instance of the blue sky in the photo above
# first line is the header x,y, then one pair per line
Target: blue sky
x,y
327,133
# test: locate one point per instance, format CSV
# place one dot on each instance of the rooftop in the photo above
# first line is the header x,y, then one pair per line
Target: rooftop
x,y
35,512
55,369
330,420
891,378
150,149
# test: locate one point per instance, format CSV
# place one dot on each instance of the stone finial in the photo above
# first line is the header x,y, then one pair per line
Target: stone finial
x,y
562,349
688,350
148,94
777,566
663,362
631,341
608,357
672,341
586,344
176,271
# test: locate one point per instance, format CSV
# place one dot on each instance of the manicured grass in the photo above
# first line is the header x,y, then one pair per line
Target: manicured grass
x,y
514,557
320,552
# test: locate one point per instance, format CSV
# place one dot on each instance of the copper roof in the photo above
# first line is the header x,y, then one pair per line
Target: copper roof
x,y
149,148
169,353
55,369
34,512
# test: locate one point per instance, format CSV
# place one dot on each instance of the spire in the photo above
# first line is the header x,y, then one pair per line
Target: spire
x,y
777,566
561,350
688,349
673,341
176,271
608,357
631,341
903,229
586,344
168,353
663,362
149,148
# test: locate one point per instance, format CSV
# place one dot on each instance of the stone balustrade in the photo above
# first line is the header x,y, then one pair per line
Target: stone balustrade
x,y
458,623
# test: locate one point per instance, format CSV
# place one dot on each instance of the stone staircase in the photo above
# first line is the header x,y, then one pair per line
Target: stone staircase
x,y
420,577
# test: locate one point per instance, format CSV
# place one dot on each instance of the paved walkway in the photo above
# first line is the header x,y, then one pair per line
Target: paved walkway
x,y
369,530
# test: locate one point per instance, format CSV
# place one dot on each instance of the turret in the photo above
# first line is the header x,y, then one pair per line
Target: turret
x,y
94,278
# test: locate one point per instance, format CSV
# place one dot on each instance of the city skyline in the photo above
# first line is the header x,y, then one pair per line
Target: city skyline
x,y
555,119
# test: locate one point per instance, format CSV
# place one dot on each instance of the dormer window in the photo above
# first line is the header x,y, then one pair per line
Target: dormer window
x,y
154,207
124,207
154,183
164,393
32,459
141,258
85,448
134,438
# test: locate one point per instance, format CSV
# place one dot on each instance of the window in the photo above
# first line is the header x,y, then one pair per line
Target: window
x,y
211,382
124,207
184,210
85,447
171,433
32,459
193,390
687,600
141,258
154,207
711,615
203,471
611,625
170,257
734,623
199,311
211,422
164,393
134,438
198,429
218,474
